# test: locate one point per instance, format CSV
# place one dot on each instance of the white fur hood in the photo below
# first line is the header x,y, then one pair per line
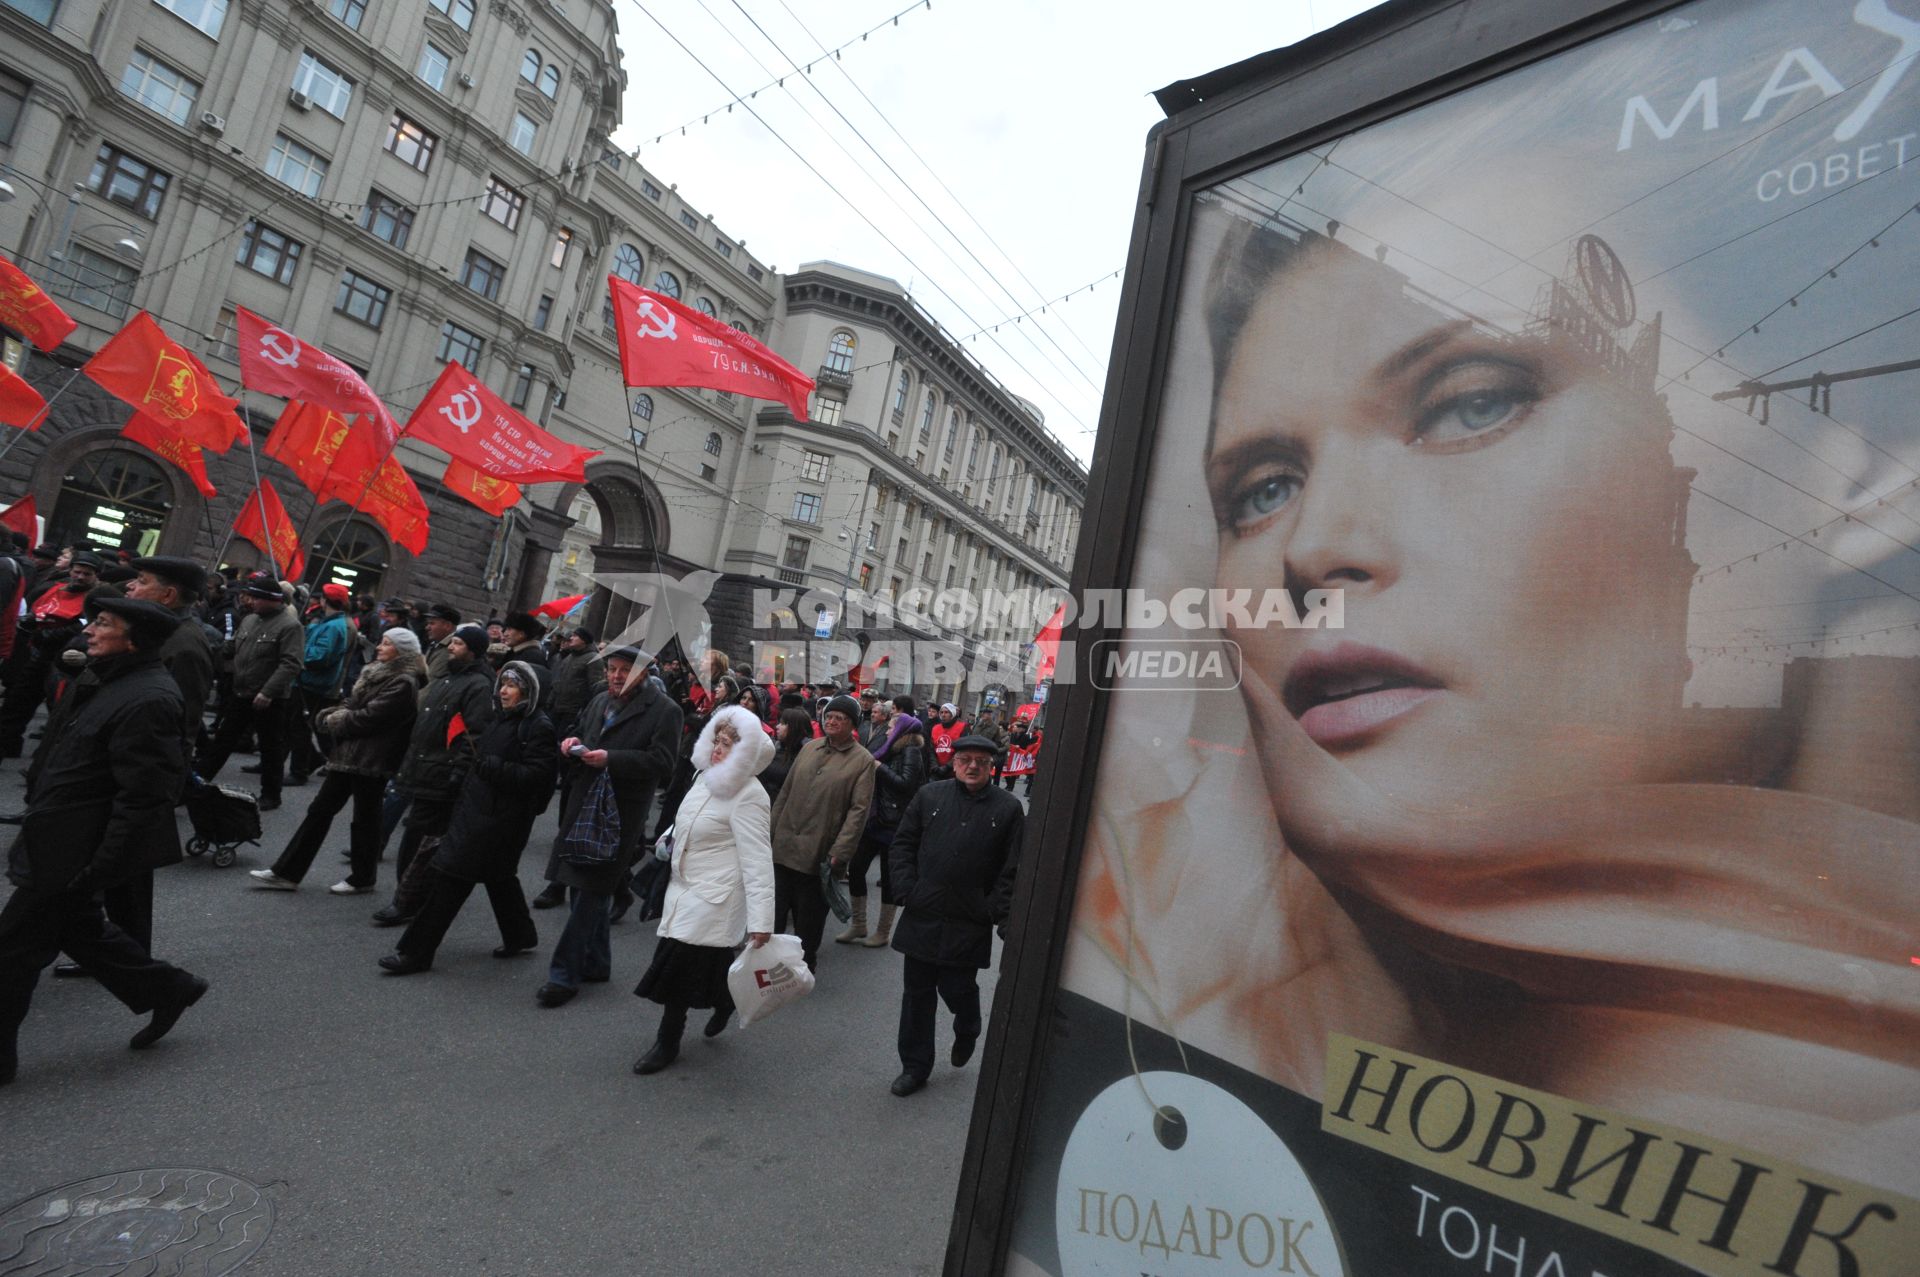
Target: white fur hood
x,y
743,762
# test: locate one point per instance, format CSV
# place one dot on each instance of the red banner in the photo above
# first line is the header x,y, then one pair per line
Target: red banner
x,y
559,607
20,404
470,423
495,496
324,449
275,362
21,517
149,434
1048,641
393,502
26,308
663,343
143,366
275,535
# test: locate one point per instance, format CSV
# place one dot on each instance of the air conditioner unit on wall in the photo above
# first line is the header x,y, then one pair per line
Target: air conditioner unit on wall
x,y
212,122
300,101
466,81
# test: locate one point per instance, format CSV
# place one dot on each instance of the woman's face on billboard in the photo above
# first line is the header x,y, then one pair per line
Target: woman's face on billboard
x,y
1500,513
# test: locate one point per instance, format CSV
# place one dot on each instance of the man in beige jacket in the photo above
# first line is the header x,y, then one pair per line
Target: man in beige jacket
x,y
819,816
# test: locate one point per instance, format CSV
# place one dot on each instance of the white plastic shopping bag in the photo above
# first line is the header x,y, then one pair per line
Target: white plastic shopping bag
x,y
765,979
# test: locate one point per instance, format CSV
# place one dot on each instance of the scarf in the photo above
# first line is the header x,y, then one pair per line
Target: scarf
x,y
902,725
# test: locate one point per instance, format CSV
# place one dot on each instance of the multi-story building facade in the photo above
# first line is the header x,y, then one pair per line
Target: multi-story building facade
x,y
408,182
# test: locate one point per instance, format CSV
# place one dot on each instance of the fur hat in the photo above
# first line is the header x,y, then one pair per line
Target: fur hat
x,y
526,622
743,762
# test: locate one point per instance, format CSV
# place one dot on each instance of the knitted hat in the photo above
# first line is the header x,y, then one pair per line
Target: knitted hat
x,y
474,638
843,705
404,639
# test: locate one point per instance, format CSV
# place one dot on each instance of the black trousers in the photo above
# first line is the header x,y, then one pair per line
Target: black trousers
x,y
797,897
445,896
426,818
958,987
26,690
269,728
37,927
874,845
336,790
130,908
303,755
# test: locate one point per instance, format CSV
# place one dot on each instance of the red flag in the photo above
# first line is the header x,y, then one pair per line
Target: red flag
x,y
21,517
150,434
143,366
663,343
470,423
275,535
456,727
495,496
275,362
393,502
20,404
26,309
559,607
324,449
1048,641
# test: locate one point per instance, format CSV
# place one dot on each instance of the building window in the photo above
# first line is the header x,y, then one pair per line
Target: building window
x,y
458,345
606,316
643,407
226,336
705,306
482,274
461,11
973,453
562,241
713,444
522,387
530,66
13,104
96,280
901,550
707,472
639,437
926,565
741,325
901,390
649,190
128,182
433,66
295,165
550,81
806,507
159,87
115,497
207,15
349,13
689,221
753,273
410,143
816,466
521,135
873,536
667,282
840,352
543,313
928,407
265,251
795,556
723,248
362,299
40,11
503,204
331,91
387,218
953,434
628,264
827,410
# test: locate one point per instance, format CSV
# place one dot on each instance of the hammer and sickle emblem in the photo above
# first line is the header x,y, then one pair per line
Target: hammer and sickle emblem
x,y
654,323
464,411
271,348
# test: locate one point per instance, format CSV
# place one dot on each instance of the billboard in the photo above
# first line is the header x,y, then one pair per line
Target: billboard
x,y
1558,912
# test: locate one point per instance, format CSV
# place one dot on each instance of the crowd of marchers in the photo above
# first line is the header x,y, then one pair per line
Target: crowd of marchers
x,y
728,810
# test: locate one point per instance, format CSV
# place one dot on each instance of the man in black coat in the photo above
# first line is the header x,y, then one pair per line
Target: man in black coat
x,y
100,811
952,862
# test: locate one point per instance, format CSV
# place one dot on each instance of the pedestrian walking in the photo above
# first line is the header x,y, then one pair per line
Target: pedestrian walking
x,y
441,622
268,652
323,663
818,818
720,888
577,675
368,733
628,739
54,618
954,860
519,640
902,761
947,729
100,809
509,784
790,734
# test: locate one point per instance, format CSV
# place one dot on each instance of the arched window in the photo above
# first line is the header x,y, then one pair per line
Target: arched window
x,y
114,498
713,444
530,66
901,391
550,79
643,407
840,352
704,306
928,407
355,555
628,264
667,282
973,451
741,324
953,434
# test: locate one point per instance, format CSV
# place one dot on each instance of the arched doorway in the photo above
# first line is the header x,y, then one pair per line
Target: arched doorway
x,y
113,498
351,552
571,570
618,524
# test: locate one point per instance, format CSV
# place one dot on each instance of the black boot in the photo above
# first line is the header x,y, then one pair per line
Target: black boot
x,y
666,1043
554,894
165,1017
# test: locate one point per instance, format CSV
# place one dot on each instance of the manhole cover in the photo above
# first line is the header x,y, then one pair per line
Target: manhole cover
x,y
161,1221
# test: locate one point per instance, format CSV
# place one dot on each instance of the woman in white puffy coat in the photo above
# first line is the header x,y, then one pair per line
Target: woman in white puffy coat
x,y
720,890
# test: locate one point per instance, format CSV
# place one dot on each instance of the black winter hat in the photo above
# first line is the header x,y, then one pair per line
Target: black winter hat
x,y
474,637
150,624
526,622
843,705
189,576
444,612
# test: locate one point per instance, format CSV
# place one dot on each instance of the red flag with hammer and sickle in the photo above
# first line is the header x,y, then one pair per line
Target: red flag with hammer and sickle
x,y
663,343
20,404
143,366
470,423
275,362
495,496
150,434
26,308
273,532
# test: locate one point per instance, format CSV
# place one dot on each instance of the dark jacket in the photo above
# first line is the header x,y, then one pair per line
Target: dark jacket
x,y
102,786
530,653
370,728
775,773
268,652
897,778
508,786
642,744
189,658
952,863
576,677
433,768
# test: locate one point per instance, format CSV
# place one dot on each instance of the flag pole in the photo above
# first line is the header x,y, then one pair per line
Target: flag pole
x,y
365,488
266,525
40,417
